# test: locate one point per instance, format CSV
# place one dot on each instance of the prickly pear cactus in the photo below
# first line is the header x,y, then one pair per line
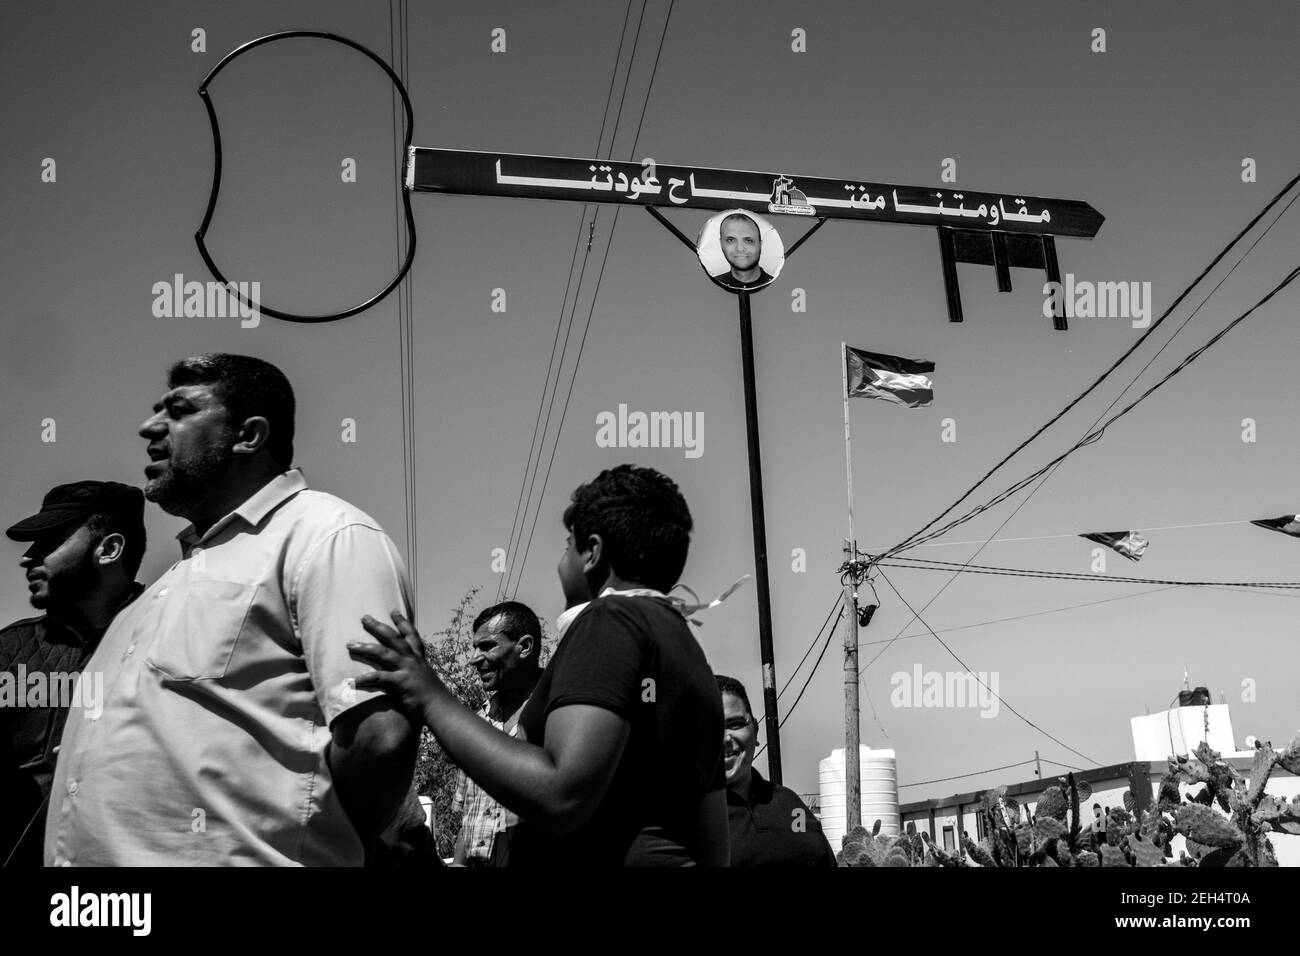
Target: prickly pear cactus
x,y
937,856
1025,839
1052,804
1278,814
1112,856
1205,826
862,849
1170,796
1048,828
1289,759
1145,853
1134,837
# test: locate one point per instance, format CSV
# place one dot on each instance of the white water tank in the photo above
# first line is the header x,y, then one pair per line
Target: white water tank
x,y
879,775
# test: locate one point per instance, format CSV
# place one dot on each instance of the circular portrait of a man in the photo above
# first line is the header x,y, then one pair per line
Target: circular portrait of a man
x,y
740,250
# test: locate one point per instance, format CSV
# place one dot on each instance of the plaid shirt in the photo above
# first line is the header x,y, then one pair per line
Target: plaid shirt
x,y
483,818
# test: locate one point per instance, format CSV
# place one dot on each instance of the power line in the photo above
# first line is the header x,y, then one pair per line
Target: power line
x,y
813,643
1115,401
609,243
550,409
838,600
1000,698
399,59
516,525
1017,617
574,308
1074,534
609,96
410,361
546,386
1194,313
928,564
1106,374
654,70
1051,470
962,776
1069,607
1096,434
1005,521
1057,763
812,672
627,76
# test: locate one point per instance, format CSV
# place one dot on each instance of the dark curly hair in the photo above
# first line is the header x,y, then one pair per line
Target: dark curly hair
x,y
642,519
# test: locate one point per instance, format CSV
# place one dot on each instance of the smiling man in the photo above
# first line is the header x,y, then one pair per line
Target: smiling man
x,y
742,245
507,656
231,731
769,824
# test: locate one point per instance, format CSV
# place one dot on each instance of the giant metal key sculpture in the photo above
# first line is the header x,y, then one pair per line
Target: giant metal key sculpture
x,y
1001,230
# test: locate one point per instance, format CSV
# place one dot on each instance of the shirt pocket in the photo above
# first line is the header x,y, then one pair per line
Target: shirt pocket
x,y
200,629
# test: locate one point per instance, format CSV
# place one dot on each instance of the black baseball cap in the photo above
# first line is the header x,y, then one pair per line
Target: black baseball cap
x,y
77,501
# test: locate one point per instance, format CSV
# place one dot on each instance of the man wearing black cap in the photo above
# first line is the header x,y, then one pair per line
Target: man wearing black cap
x,y
232,730
87,542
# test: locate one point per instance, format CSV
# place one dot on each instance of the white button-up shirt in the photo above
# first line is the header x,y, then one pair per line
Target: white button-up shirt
x,y
220,683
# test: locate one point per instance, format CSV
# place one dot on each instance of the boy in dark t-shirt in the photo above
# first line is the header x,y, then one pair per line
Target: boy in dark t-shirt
x,y
636,657
619,759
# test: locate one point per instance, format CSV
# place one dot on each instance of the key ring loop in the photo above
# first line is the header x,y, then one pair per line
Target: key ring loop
x,y
216,179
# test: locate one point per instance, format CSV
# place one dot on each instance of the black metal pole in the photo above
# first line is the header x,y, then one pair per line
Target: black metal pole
x,y
951,288
760,545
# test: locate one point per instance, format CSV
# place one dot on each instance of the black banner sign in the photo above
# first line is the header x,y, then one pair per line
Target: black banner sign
x,y
694,187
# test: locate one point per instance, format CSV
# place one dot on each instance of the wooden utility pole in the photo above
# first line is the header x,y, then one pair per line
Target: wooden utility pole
x,y
852,736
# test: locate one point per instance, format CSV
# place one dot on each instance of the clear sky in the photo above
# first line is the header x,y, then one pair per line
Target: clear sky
x,y
1152,132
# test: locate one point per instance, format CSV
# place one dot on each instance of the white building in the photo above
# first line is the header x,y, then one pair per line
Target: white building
x,y
1155,736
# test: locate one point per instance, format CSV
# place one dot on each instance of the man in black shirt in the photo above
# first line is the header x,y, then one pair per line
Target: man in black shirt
x,y
622,761
770,825
86,544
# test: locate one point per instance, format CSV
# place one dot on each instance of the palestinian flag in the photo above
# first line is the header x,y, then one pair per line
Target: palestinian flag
x,y
1128,543
888,377
1287,524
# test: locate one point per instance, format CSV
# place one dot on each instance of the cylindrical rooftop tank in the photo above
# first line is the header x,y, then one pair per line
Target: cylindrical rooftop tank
x,y
879,793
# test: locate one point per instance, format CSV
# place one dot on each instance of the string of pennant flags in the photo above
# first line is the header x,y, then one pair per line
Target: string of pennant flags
x,y
931,564
1133,545
905,381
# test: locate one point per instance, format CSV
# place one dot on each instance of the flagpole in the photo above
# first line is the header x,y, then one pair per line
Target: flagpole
x,y
852,762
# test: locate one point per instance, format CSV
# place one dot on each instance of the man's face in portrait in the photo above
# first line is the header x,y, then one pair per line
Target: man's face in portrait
x,y
741,245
